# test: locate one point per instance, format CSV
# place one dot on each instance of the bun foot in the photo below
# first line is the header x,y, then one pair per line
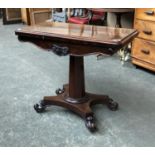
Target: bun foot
x,y
59,91
90,124
112,105
39,108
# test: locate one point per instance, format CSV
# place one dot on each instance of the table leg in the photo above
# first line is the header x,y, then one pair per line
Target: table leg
x,y
74,97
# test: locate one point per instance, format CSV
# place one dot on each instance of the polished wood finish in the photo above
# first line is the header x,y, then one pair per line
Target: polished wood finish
x,y
145,14
76,78
101,39
146,29
83,108
143,49
77,41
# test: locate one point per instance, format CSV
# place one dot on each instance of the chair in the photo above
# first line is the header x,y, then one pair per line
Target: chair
x,y
85,16
59,15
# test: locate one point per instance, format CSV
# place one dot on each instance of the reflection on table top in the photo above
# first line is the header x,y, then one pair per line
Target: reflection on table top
x,y
90,33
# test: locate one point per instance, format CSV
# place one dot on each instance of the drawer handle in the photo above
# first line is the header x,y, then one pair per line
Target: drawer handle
x,y
149,12
145,51
147,32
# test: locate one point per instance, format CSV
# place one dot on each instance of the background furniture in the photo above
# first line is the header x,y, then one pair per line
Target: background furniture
x,y
11,15
143,49
117,11
85,16
125,52
77,40
39,15
26,16
59,15
32,16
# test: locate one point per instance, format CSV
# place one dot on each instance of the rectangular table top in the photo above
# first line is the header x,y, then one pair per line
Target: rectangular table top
x,y
103,36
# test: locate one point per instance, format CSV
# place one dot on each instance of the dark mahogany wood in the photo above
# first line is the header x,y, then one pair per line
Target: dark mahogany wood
x,y
101,39
77,41
76,78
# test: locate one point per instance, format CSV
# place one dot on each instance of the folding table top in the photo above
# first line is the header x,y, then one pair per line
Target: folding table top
x,y
77,34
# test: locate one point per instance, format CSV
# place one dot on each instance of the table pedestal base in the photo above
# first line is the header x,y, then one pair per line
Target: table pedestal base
x,y
74,97
81,106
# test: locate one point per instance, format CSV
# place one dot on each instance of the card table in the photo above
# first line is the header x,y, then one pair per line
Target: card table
x,y
76,41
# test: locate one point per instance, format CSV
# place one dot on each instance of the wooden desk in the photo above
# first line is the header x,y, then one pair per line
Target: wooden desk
x,y
77,41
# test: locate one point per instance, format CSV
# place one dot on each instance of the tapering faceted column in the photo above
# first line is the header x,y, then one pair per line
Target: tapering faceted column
x,y
76,77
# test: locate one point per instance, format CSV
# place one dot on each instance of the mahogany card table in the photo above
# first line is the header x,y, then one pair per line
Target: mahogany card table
x,y
76,41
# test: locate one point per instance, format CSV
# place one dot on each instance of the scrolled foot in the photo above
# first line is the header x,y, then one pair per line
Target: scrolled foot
x,y
90,124
59,91
112,105
39,108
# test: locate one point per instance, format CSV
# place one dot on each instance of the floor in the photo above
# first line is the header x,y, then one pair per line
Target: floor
x,y
27,74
